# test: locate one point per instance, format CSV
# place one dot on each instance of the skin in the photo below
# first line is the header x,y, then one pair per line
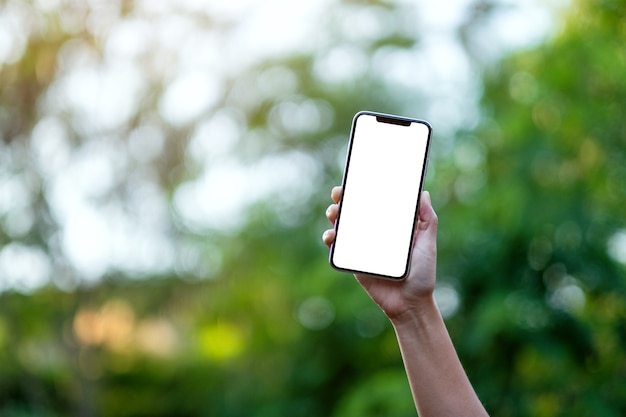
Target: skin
x,y
439,385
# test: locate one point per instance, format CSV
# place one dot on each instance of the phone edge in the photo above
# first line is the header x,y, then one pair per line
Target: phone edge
x,y
407,268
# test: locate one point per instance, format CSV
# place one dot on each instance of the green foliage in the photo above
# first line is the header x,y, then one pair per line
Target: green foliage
x,y
538,284
250,320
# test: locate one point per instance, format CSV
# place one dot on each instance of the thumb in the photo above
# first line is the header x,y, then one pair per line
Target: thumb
x,y
426,212
427,218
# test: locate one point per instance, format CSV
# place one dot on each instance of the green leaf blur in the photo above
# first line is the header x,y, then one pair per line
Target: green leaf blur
x,y
213,309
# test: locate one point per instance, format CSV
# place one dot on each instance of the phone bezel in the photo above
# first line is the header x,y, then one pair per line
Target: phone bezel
x,y
393,119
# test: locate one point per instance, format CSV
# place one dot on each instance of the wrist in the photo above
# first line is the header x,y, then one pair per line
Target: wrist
x,y
423,313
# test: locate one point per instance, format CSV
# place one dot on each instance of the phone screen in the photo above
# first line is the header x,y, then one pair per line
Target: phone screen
x,y
382,181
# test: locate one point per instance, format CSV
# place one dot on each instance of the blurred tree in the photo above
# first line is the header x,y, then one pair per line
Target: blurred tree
x,y
532,234
161,209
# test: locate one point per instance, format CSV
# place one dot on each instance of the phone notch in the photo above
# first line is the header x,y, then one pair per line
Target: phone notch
x,y
394,120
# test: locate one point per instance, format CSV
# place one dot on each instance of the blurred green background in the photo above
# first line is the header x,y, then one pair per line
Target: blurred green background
x,y
165,167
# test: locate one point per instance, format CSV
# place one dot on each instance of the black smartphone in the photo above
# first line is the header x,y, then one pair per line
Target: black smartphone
x,y
382,181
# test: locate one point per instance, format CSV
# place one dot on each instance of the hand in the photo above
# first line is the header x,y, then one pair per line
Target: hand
x,y
438,382
396,298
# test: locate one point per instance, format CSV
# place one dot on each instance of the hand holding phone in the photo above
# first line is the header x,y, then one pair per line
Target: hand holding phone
x,y
384,173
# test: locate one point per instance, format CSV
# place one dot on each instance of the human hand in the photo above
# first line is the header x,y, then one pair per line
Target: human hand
x,y
396,298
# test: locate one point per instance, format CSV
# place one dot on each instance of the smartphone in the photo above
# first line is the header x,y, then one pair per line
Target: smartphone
x,y
384,172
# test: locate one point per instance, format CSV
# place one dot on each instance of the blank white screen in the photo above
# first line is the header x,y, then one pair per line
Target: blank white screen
x,y
381,193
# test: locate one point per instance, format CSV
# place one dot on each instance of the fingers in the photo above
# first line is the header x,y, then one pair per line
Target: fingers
x,y
335,194
427,222
328,237
331,214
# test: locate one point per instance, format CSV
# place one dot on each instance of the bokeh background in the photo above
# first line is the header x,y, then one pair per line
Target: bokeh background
x,y
165,167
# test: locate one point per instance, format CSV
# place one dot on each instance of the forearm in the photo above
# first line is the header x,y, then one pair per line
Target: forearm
x,y
438,382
